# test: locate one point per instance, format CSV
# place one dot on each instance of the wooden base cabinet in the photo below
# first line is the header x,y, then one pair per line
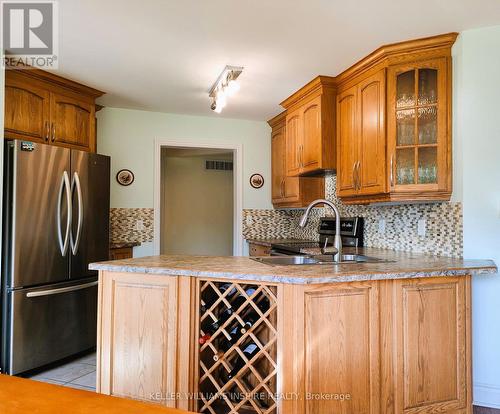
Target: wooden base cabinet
x,y
368,347
399,346
121,253
334,349
137,336
432,350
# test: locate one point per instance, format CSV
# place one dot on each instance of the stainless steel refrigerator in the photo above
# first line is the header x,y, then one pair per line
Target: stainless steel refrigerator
x,y
55,222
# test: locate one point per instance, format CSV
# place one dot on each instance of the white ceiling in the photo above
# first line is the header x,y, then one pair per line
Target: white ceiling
x,y
163,55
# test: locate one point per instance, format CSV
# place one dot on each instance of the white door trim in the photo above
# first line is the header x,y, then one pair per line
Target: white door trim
x,y
237,186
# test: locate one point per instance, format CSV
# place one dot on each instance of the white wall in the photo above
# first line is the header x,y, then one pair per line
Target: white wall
x,y
128,136
477,132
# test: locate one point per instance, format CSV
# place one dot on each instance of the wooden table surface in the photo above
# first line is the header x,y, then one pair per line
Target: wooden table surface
x,y
18,395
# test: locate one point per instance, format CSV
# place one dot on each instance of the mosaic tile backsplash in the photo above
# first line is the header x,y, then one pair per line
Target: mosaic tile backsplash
x,y
444,224
124,226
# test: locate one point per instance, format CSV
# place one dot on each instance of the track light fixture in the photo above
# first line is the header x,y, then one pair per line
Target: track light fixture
x,y
225,86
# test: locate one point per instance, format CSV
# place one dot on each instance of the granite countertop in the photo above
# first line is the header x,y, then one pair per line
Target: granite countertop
x,y
123,245
403,265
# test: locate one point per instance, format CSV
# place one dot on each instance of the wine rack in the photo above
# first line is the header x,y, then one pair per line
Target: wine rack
x,y
237,348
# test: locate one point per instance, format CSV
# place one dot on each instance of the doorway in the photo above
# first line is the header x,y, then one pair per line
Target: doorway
x,y
197,199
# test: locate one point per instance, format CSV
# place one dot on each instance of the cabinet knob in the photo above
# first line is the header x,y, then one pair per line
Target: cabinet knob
x,y
47,131
53,132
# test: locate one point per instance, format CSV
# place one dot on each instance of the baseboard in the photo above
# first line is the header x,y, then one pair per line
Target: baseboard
x,y
486,395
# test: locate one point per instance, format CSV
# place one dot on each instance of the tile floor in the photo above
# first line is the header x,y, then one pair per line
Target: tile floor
x,y
80,374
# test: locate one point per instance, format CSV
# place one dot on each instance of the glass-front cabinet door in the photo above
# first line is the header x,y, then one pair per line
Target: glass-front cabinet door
x,y
418,127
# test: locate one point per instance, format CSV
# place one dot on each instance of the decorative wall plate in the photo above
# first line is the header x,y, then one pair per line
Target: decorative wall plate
x,y
125,177
256,180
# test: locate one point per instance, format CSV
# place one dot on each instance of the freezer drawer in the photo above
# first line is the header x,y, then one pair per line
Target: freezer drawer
x,y
50,323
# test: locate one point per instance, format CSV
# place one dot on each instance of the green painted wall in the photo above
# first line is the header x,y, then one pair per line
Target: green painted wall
x,y
128,136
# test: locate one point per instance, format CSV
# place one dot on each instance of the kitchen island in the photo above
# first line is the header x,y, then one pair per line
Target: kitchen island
x,y
232,335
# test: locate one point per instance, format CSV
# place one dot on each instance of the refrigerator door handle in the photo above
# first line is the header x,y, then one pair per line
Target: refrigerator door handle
x,y
76,242
63,245
60,290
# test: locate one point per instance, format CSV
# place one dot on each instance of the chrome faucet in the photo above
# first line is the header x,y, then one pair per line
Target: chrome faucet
x,y
337,241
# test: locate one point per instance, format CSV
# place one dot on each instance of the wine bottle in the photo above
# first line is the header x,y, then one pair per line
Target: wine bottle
x,y
204,338
240,298
250,351
251,317
210,328
211,296
249,320
225,344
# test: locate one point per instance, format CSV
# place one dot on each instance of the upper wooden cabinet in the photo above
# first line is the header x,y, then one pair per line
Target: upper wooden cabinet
x,y
419,136
27,109
361,137
289,191
310,128
407,86
42,107
73,121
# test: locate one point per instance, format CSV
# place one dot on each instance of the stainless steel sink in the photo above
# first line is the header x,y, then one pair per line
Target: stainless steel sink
x,y
316,260
286,260
350,258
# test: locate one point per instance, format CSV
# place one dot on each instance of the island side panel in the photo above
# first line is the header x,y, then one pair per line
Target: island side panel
x,y
187,335
137,347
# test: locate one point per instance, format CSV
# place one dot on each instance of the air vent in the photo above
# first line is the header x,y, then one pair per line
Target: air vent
x,y
219,165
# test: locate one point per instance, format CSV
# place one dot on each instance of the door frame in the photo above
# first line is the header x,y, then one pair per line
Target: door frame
x,y
237,150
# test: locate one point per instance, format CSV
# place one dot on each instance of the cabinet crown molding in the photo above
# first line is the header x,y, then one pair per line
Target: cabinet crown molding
x,y
381,54
57,80
386,52
278,121
310,90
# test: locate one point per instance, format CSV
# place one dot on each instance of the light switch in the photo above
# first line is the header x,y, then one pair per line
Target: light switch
x,y
139,225
422,227
381,226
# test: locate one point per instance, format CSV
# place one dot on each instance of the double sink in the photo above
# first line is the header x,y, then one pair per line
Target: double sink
x,y
316,260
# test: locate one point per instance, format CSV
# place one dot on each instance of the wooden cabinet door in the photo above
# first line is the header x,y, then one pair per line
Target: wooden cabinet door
x,y
419,135
121,254
137,344
432,331
311,149
372,158
27,107
278,164
72,122
336,349
347,139
293,143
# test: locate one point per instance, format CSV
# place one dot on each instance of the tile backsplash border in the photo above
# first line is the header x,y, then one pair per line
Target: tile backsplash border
x,y
444,224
